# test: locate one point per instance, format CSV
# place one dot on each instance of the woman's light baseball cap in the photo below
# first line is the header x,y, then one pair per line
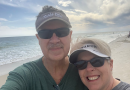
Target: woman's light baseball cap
x,y
51,15
95,46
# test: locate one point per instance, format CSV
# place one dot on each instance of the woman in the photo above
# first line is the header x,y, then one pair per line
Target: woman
x,y
92,57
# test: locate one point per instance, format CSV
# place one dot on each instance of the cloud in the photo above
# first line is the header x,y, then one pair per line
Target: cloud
x,y
100,14
30,18
109,22
3,19
9,3
22,4
87,15
6,31
100,9
109,29
64,3
112,9
127,17
80,16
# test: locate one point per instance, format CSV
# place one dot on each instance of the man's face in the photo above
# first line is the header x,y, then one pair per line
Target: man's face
x,y
55,48
95,78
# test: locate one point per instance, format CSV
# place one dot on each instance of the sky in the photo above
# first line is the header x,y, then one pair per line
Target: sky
x,y
17,17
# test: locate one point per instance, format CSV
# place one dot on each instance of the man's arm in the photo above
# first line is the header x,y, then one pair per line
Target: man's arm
x,y
17,80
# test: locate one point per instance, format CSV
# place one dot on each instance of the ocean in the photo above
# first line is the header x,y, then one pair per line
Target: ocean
x,y
14,49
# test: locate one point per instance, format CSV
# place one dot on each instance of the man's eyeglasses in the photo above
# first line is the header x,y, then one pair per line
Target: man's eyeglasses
x,y
47,33
95,62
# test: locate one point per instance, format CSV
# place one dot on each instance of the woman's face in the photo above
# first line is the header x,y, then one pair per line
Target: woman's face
x,y
95,78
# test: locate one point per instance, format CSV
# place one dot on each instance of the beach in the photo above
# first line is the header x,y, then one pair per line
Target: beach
x,y
121,58
120,55
5,69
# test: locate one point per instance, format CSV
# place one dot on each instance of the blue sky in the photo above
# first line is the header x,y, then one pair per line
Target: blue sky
x,y
17,17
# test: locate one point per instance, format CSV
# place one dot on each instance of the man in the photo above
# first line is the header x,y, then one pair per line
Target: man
x,y
53,71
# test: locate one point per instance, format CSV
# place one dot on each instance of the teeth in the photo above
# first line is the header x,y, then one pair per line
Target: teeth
x,y
93,78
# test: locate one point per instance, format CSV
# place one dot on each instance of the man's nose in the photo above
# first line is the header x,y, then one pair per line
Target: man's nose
x,y
54,38
90,67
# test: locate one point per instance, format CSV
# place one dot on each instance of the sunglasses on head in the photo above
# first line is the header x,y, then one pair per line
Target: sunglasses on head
x,y
95,62
47,33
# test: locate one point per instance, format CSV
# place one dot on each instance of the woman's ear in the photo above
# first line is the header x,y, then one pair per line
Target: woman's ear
x,y
111,64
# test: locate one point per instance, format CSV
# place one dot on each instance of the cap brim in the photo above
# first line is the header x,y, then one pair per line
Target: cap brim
x,y
53,18
74,55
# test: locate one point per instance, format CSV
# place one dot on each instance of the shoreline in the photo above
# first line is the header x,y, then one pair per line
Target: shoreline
x,y
4,69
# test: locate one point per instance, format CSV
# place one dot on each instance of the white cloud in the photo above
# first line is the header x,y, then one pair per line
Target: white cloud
x,y
81,11
112,9
104,11
64,3
13,31
22,4
101,9
109,22
87,29
9,3
117,28
69,12
77,17
23,0
3,19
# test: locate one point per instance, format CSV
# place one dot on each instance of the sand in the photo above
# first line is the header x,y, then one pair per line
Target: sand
x,y
120,55
5,69
3,79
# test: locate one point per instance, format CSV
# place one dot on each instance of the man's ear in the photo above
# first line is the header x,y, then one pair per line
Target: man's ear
x,y
37,36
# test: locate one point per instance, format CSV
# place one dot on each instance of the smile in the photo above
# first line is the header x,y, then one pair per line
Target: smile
x,y
93,78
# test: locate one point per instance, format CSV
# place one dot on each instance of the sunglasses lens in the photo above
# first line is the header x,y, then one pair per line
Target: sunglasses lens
x,y
81,64
45,34
62,32
97,62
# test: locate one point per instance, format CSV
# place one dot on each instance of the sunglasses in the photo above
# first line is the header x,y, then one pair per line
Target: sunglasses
x,y
95,62
47,33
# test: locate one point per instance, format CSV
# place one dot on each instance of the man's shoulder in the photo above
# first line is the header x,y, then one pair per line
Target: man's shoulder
x,y
26,67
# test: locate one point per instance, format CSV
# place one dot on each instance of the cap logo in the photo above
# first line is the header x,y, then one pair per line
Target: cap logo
x,y
89,45
51,14
45,17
